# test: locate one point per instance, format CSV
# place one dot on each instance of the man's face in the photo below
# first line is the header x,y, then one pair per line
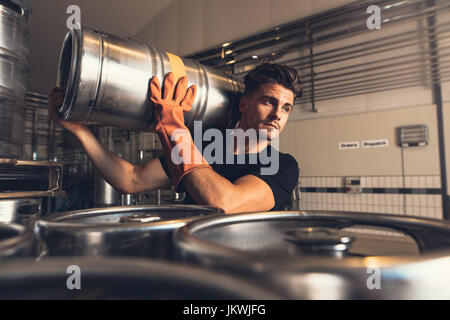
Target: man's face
x,y
267,108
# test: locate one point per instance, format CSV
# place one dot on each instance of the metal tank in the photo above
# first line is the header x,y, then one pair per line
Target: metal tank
x,y
106,81
14,66
117,231
104,194
16,241
23,211
322,252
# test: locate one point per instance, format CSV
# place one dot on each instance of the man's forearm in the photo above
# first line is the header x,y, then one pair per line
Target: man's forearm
x,y
115,170
246,194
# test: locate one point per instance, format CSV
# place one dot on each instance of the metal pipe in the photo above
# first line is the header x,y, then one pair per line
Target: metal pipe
x,y
369,77
106,79
332,36
370,68
299,27
379,89
437,97
374,43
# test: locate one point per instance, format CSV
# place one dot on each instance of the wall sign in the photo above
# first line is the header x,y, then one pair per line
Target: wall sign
x,y
348,145
375,143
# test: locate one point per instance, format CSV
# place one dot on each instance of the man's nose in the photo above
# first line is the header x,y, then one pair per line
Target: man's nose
x,y
276,113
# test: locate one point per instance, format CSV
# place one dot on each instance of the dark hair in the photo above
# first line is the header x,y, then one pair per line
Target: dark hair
x,y
273,73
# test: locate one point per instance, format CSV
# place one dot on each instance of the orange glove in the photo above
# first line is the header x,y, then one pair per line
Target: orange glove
x,y
170,105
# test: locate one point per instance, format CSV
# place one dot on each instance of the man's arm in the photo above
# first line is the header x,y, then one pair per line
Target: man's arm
x,y
120,174
247,194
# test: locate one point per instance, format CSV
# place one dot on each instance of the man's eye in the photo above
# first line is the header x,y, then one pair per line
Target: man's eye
x,y
287,109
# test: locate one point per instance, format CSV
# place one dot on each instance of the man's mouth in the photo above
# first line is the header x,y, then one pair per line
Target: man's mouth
x,y
272,125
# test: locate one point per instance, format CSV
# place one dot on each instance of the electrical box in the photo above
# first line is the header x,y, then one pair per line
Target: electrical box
x,y
413,136
353,184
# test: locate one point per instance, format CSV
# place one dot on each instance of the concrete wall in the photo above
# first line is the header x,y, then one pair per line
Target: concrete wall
x,y
315,144
188,26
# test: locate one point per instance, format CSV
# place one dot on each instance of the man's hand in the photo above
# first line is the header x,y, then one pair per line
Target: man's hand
x,y
171,102
55,100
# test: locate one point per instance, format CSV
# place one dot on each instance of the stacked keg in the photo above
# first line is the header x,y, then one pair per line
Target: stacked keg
x,y
16,215
14,60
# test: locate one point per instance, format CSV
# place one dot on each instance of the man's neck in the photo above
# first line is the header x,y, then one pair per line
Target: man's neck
x,y
255,147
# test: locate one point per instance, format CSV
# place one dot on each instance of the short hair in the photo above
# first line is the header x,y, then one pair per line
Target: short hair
x,y
273,73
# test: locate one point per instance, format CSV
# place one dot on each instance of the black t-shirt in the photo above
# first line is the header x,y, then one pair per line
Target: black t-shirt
x,y
263,165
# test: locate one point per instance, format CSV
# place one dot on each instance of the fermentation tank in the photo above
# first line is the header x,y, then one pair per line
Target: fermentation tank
x,y
14,60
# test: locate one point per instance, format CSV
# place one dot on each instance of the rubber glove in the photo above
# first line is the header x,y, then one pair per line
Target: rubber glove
x,y
170,105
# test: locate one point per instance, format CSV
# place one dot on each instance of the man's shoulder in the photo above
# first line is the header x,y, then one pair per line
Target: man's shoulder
x,y
285,157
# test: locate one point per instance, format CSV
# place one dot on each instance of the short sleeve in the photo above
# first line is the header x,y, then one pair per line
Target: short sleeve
x,y
283,181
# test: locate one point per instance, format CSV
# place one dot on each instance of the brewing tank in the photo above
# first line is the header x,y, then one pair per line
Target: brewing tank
x,y
14,66
106,81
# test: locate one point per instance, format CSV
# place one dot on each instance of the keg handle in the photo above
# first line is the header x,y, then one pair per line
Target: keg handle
x,y
140,217
431,236
319,238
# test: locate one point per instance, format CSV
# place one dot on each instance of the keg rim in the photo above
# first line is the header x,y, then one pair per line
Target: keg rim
x,y
22,239
149,270
66,221
195,248
68,71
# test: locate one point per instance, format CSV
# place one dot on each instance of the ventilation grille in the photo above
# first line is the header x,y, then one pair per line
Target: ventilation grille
x,y
413,136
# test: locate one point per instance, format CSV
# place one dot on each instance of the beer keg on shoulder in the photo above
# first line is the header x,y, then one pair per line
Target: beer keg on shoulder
x,y
106,81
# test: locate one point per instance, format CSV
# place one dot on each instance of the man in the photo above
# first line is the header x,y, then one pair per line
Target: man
x,y
235,187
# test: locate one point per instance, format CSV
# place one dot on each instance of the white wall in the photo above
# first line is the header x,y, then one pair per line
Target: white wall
x,y
315,144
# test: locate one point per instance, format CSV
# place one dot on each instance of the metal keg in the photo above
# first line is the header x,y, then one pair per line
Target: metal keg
x,y
117,231
104,194
120,278
14,66
321,252
106,81
388,277
16,241
23,211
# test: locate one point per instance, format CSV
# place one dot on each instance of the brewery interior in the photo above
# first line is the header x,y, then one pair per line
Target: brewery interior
x,y
370,132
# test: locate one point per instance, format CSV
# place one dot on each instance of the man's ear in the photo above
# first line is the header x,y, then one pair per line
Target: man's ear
x,y
243,103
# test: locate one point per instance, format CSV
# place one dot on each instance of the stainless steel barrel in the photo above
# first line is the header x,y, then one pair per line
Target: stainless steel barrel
x,y
16,241
291,248
14,66
104,194
129,278
23,211
117,231
106,81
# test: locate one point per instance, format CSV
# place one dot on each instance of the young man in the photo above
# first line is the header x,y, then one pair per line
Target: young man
x,y
235,183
